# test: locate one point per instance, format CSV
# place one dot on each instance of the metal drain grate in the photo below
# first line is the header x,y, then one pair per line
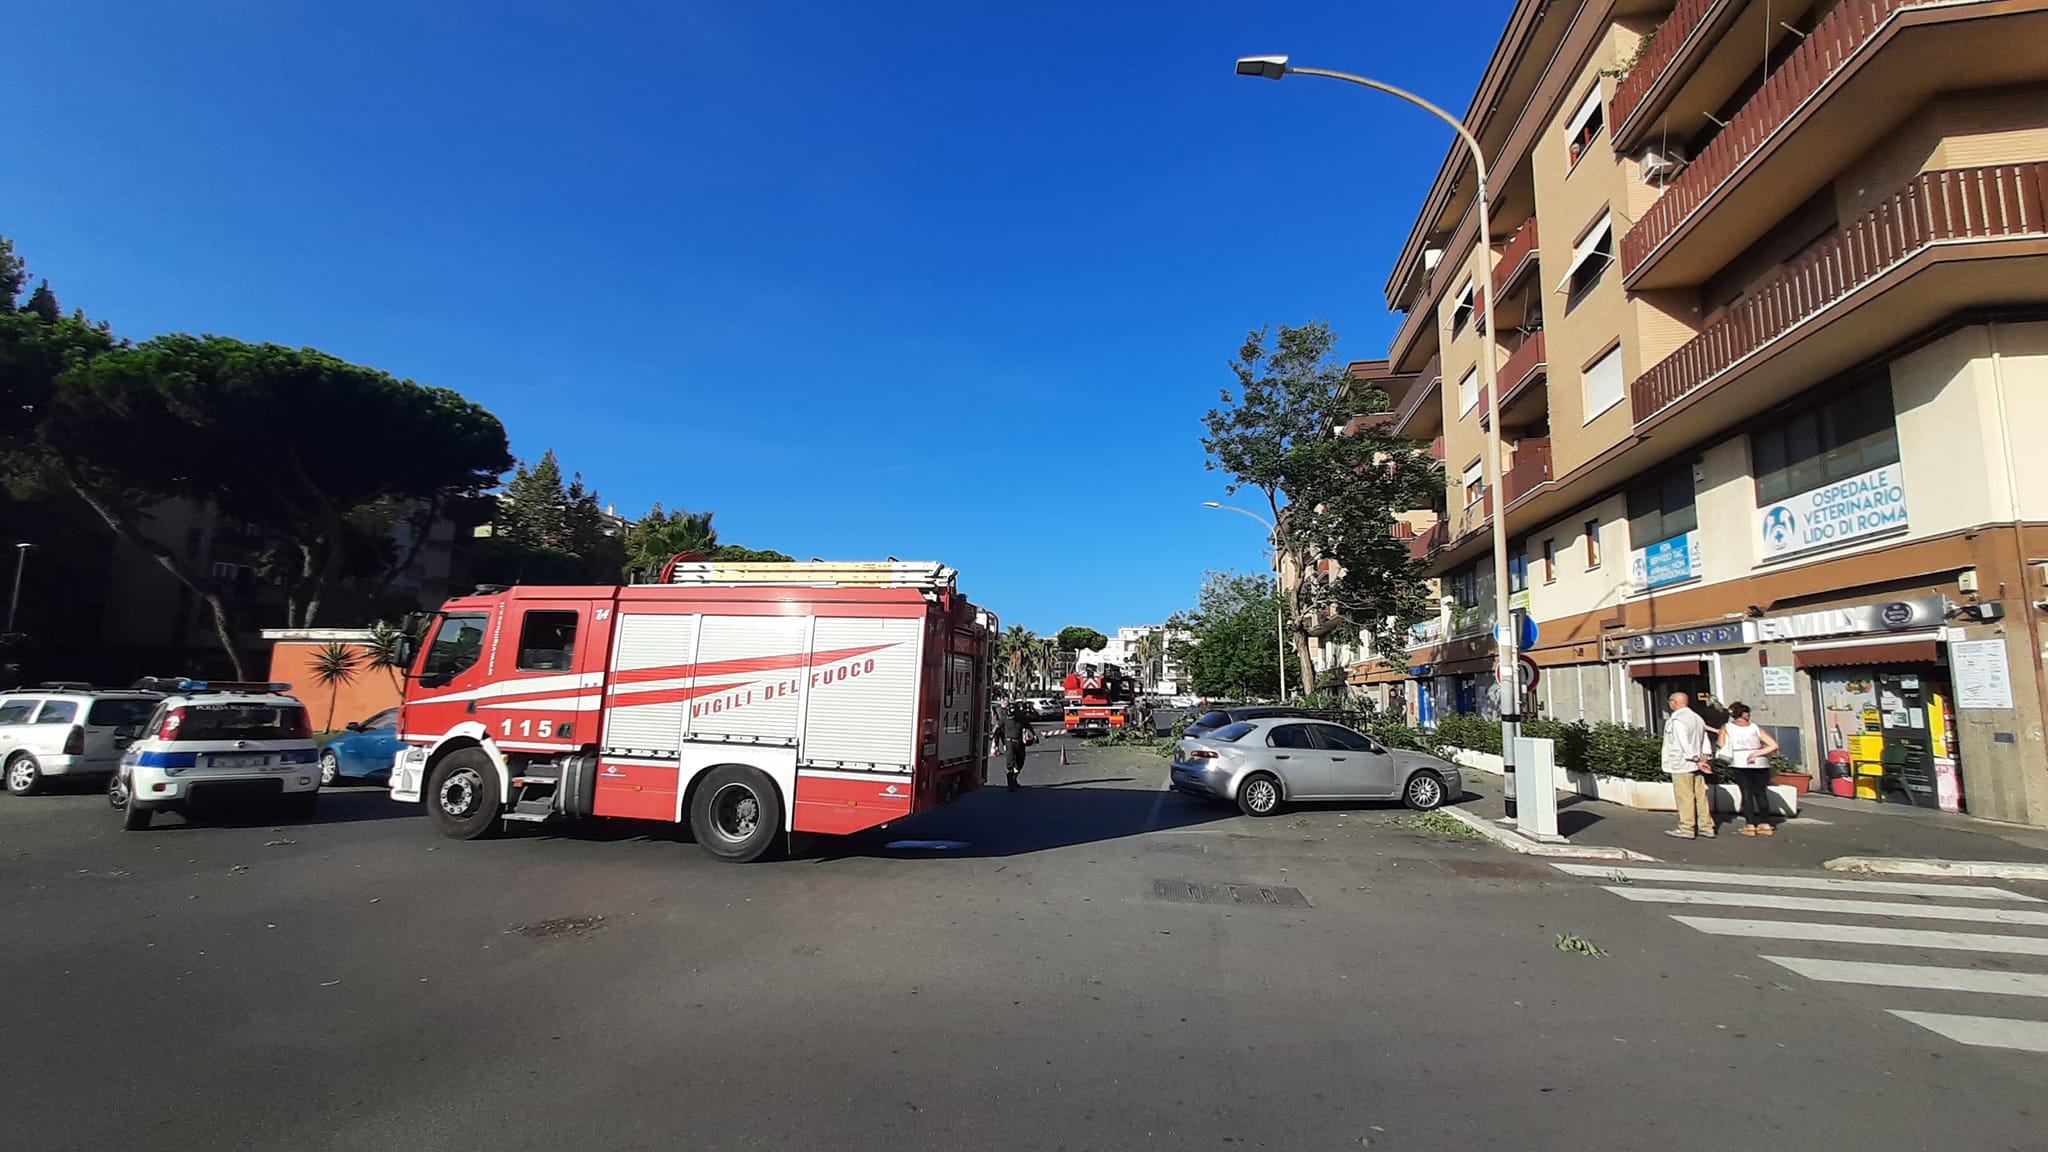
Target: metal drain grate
x,y
1267,895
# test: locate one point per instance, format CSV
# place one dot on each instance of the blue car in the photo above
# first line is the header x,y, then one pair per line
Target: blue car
x,y
363,750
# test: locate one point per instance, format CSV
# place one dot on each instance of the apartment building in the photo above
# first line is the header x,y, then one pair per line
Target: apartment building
x,y
1769,297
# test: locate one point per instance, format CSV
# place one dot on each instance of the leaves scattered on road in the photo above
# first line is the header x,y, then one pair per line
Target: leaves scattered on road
x,y
1573,942
559,927
1439,823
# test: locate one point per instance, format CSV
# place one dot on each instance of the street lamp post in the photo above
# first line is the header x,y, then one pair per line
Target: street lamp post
x,y
1505,639
14,601
1279,613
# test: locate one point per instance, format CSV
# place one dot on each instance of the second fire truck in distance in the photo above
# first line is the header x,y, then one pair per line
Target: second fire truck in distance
x,y
1097,702
752,700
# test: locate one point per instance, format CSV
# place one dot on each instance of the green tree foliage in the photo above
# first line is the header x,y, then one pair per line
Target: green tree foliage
x,y
1334,497
1017,654
333,665
1075,637
268,435
1149,652
1230,649
550,530
42,303
661,535
13,274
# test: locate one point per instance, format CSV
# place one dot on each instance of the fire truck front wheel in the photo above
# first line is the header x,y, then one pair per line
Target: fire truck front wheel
x,y
735,813
462,794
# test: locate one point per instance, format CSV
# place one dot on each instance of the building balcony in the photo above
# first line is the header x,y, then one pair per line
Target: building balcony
x,y
1947,241
1436,449
1524,367
1517,258
1530,471
1865,66
1421,412
1422,544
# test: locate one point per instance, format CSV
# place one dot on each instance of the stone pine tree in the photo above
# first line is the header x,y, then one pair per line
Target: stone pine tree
x,y
1333,496
43,303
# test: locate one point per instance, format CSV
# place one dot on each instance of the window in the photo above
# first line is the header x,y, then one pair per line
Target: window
x,y
1550,561
388,718
1584,126
1603,383
1475,476
243,722
1468,390
1592,543
1661,509
118,713
1464,586
1590,257
1339,739
58,712
547,641
1461,312
1290,736
1229,732
17,711
1846,436
1518,566
456,646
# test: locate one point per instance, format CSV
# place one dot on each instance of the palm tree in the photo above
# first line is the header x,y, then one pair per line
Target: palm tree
x,y
661,534
1149,650
335,664
385,649
1013,649
1045,659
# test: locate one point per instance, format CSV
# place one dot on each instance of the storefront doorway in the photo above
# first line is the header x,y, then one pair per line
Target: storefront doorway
x,y
1888,733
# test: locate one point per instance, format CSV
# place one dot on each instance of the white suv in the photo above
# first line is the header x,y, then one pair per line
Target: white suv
x,y
202,745
66,730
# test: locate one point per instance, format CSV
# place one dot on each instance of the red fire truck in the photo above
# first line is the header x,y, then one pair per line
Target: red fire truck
x,y
1097,702
750,699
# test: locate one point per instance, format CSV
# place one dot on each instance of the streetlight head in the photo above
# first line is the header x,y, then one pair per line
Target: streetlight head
x,y
1211,504
1269,67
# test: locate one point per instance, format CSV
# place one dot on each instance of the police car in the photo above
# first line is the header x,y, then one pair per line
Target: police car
x,y
212,742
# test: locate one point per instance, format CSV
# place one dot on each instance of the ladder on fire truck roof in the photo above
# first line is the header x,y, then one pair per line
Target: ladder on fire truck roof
x,y
922,574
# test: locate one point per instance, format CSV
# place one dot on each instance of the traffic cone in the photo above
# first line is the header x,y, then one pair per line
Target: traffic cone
x,y
1063,755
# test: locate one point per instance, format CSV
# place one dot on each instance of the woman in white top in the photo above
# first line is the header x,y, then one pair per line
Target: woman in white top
x,y
1747,749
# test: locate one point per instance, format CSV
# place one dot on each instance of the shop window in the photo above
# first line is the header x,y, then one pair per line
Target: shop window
x,y
1844,436
1592,544
1661,508
1584,127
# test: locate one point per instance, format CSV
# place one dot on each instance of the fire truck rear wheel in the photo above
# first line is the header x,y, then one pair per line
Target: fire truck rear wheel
x,y
462,794
736,813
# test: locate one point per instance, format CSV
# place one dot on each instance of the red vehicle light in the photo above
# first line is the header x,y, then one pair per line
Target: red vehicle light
x,y
1202,754
74,744
295,724
168,730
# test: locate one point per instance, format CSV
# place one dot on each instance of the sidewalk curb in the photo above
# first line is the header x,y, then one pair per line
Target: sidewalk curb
x,y
1515,842
1956,869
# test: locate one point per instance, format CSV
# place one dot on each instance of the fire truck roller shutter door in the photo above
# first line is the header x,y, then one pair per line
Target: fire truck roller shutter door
x,y
863,706
750,673
650,683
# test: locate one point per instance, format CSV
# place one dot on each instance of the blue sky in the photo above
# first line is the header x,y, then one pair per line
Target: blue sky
x,y
945,281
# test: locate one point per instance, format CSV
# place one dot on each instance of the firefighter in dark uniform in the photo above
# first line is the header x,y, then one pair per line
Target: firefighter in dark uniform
x,y
1016,732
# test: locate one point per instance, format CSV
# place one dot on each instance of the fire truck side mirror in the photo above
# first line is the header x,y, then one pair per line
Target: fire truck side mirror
x,y
433,679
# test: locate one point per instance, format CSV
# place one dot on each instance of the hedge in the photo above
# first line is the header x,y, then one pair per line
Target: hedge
x,y
1604,749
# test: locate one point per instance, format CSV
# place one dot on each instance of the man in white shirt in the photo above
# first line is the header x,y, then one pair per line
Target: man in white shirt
x,y
1687,753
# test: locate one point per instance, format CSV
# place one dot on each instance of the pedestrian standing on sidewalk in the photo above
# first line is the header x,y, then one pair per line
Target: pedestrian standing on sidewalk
x,y
1687,753
1018,732
1747,749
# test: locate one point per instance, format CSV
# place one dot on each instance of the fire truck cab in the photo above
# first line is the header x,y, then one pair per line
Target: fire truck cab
x,y
750,699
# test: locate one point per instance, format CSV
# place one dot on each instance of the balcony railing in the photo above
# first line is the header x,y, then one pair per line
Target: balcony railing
x,y
1657,56
1516,258
1420,546
1935,207
1523,365
1426,384
1436,448
1530,471
1832,42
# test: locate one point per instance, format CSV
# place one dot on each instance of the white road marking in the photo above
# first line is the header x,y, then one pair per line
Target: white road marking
x,y
1817,904
1816,883
1867,934
1152,817
1916,976
1981,1031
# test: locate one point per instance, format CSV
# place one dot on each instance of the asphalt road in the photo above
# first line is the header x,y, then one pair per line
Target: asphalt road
x,y
361,983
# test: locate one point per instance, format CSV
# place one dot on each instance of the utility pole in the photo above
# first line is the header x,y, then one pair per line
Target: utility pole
x,y
14,601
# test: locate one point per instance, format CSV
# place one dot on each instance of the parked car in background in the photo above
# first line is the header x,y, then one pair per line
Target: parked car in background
x,y
67,730
1263,764
363,750
202,745
1230,714
1048,708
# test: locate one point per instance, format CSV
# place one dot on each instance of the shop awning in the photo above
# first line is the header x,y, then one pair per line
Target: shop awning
x,y
1896,652
1658,669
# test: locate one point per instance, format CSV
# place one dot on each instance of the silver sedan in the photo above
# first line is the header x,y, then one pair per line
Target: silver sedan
x,y
1262,764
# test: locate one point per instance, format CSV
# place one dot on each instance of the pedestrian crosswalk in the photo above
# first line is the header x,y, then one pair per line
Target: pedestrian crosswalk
x,y
1998,948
